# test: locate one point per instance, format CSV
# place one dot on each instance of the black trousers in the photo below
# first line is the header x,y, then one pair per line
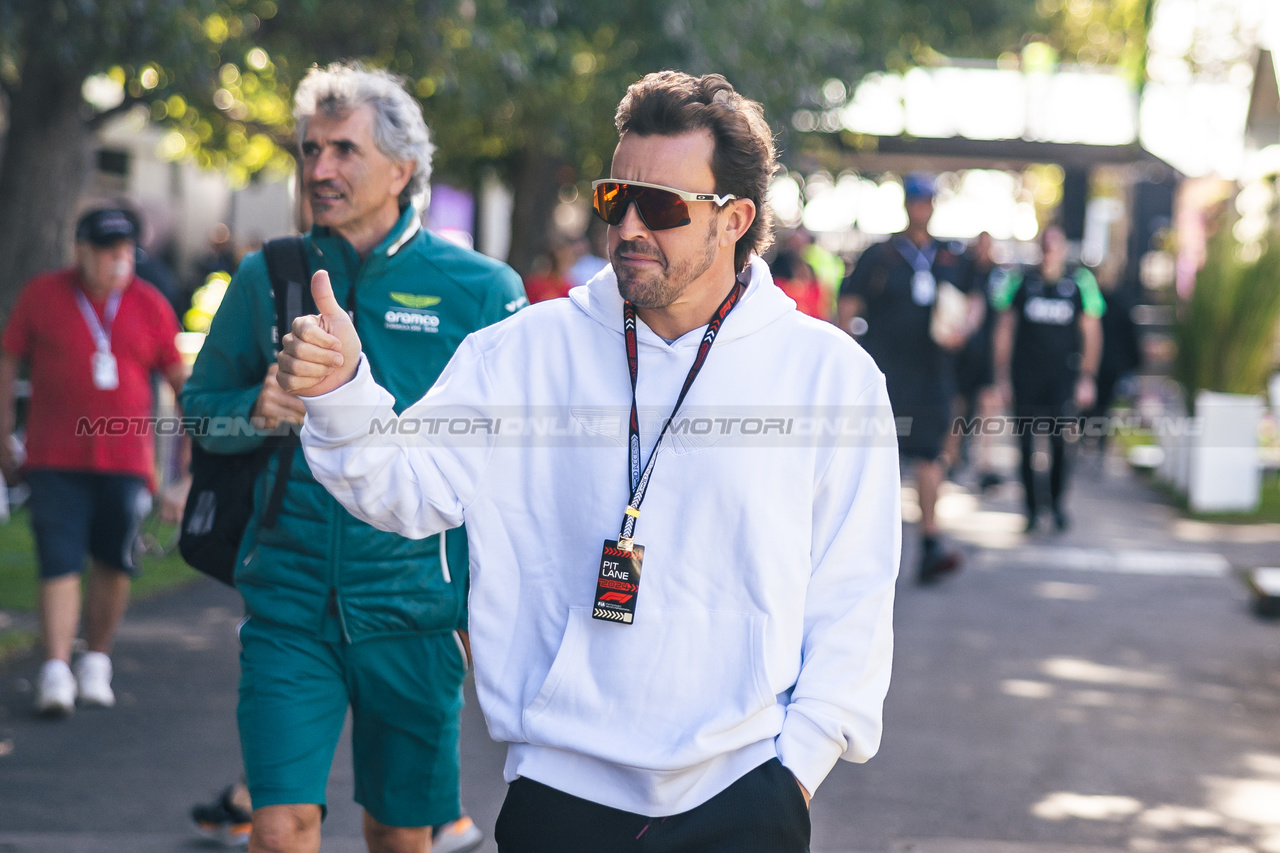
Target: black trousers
x,y
762,812
1057,471
1048,416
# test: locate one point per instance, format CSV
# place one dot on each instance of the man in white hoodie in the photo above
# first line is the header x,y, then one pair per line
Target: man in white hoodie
x,y
697,709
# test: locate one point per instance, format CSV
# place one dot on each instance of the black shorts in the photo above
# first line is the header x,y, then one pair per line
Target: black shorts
x,y
762,812
74,513
922,429
974,371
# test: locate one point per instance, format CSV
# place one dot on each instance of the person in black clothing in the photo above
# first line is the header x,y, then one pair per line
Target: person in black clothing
x,y
975,371
1047,344
893,292
1121,353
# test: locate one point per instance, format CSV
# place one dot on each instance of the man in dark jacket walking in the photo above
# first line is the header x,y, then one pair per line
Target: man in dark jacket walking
x,y
893,299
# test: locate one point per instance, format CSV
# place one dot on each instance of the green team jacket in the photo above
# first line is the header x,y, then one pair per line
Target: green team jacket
x,y
319,569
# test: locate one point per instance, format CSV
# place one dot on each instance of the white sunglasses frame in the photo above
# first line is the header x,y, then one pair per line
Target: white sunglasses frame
x,y
685,195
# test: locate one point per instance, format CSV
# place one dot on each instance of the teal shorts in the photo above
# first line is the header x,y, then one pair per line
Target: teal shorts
x,y
405,695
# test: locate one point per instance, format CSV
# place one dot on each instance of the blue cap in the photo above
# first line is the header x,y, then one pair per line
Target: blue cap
x,y
917,186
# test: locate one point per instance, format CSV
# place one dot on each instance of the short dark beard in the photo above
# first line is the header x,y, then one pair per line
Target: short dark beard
x,y
664,288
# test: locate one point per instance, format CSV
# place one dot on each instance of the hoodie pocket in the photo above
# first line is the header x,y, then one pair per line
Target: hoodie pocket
x,y
670,690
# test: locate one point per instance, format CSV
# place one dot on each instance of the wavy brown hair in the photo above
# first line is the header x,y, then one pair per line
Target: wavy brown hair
x,y
671,103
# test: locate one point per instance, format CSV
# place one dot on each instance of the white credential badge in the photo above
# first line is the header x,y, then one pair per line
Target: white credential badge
x,y
924,288
105,375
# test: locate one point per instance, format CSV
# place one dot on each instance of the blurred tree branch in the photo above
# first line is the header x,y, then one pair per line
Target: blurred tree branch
x,y
509,85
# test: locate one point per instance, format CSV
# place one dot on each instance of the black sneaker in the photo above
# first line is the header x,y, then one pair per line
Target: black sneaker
x,y
989,481
223,821
936,562
1060,520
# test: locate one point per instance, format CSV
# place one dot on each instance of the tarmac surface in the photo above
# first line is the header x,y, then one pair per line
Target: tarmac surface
x,y
1102,690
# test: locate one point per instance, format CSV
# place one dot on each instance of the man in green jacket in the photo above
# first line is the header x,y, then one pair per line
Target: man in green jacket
x,y
341,614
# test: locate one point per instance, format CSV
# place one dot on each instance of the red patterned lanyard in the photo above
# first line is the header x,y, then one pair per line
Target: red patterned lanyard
x,y
640,479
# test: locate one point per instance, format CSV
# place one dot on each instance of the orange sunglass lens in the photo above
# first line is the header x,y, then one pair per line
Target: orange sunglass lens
x,y
658,209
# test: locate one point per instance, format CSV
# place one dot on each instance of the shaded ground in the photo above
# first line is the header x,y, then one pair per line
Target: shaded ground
x,y
1040,704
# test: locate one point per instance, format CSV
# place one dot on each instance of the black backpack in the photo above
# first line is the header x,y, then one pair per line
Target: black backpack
x,y
220,502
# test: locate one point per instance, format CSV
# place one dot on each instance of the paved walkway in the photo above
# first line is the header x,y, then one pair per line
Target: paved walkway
x,y
1098,691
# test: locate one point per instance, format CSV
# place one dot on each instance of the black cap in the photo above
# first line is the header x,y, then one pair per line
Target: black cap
x,y
104,227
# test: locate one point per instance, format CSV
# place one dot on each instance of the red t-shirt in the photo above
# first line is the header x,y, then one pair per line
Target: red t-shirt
x,y
47,329
540,288
807,295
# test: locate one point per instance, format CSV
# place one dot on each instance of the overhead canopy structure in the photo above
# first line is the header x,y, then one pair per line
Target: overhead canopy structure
x,y
1112,194
975,114
904,153
1262,126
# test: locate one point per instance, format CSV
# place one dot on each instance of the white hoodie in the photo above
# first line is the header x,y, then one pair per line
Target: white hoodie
x,y
764,614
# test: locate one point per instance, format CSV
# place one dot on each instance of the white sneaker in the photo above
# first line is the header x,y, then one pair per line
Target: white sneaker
x,y
459,836
93,674
55,689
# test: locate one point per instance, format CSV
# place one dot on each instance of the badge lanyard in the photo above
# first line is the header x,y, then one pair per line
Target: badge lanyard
x,y
105,374
924,287
619,577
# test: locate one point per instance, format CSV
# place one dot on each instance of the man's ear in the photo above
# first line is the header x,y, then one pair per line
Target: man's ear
x,y
84,259
742,212
401,173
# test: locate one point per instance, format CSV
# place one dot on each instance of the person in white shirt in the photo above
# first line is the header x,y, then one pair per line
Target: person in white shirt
x,y
698,708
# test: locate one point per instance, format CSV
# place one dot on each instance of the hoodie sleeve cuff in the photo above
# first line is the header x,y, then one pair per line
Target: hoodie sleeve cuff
x,y
345,412
805,750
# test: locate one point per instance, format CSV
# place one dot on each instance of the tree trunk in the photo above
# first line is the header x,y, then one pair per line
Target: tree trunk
x,y
536,194
46,160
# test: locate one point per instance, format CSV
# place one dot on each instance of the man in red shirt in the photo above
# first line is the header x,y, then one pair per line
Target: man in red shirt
x,y
92,335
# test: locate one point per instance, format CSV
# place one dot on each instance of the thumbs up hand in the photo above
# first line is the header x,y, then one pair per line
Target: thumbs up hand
x,y
323,350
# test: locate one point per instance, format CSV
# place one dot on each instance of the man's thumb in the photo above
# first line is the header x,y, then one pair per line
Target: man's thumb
x,y
322,293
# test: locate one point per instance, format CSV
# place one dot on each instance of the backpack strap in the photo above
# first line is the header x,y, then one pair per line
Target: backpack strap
x,y
290,272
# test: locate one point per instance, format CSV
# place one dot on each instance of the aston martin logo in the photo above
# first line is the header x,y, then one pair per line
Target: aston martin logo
x,y
413,300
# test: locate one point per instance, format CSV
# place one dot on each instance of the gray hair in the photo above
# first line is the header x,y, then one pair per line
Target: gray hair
x,y
399,131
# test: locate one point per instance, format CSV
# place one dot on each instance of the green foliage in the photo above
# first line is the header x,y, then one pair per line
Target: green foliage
x,y
15,642
1268,511
502,77
166,55
18,580
83,37
1226,332
1101,32
523,87
496,77
19,583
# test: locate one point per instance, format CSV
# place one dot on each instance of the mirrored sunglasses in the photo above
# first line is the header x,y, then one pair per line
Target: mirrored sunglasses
x,y
659,207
